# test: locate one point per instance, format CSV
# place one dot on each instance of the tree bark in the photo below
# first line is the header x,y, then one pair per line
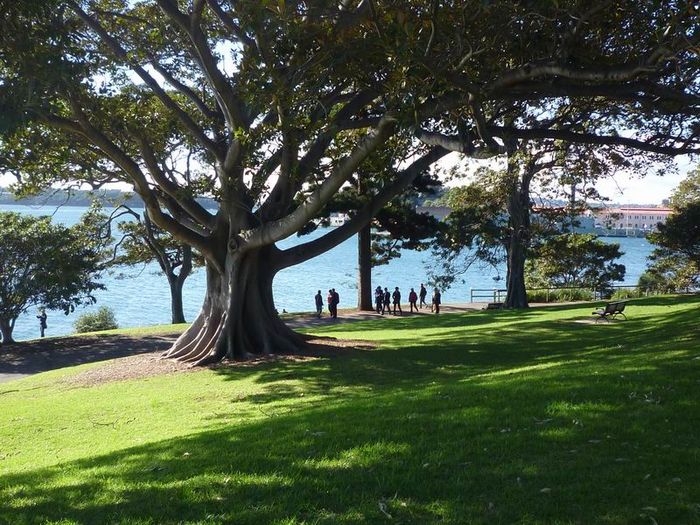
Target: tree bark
x,y
519,218
238,319
176,283
516,296
177,313
6,327
364,269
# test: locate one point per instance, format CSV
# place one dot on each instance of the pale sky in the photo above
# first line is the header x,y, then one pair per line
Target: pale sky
x,y
651,189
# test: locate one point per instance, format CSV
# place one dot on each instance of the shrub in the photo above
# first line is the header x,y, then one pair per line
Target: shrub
x,y
103,319
626,293
561,295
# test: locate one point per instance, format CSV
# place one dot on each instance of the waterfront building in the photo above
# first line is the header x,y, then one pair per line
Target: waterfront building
x,y
629,221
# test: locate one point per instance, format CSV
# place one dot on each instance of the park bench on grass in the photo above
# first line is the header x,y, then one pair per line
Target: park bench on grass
x,y
611,310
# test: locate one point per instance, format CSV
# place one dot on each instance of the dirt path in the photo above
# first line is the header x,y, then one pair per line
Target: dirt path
x,y
39,355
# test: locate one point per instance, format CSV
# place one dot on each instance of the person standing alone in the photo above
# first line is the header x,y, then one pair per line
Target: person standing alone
x,y
319,304
42,321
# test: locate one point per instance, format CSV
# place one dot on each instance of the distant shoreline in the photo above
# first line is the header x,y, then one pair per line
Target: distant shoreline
x,y
84,198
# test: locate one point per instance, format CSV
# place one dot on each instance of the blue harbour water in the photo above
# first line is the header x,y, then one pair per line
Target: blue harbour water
x,y
143,298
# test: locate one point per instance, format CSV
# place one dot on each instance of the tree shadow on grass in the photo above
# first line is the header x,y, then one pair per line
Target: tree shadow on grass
x,y
540,421
454,351
40,355
566,445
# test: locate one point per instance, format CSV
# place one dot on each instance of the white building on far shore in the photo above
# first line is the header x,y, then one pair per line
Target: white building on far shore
x,y
629,220
338,219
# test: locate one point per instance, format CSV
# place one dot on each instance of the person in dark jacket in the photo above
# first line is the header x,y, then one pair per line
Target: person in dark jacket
x,y
437,299
319,304
396,296
379,299
422,294
386,305
412,299
42,322
336,302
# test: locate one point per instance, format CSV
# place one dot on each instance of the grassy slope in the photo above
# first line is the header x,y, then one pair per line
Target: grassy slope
x,y
494,417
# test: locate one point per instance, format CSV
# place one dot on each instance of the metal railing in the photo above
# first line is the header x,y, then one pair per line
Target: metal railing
x,y
497,295
494,294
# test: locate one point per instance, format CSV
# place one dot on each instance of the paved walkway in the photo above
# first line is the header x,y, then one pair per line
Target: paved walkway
x,y
39,355
349,316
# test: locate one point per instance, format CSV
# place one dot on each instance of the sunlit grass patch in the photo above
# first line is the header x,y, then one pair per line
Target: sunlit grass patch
x,y
484,417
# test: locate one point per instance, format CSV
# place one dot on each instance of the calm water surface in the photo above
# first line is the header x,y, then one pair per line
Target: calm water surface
x,y
143,298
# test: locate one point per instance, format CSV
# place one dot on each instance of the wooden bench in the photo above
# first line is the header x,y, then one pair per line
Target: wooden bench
x,y
611,310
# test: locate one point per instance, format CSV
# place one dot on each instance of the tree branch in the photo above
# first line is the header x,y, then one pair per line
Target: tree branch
x,y
587,138
286,226
230,104
308,250
121,53
188,205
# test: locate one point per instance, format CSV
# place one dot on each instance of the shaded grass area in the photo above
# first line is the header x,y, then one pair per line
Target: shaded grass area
x,y
486,417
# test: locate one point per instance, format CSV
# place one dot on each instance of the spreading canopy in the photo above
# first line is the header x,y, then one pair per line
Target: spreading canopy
x,y
263,92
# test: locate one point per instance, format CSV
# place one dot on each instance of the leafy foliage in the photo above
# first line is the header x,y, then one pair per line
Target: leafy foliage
x,y
561,295
688,191
575,259
680,233
281,103
102,319
46,264
476,229
676,261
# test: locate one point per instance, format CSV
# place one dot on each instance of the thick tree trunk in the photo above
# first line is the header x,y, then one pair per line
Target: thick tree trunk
x,y
519,217
238,319
177,282
364,269
516,296
6,327
177,313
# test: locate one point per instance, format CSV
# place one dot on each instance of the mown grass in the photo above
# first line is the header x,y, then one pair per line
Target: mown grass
x,y
491,417
161,329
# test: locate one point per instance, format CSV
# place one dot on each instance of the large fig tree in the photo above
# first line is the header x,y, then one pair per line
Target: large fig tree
x,y
263,91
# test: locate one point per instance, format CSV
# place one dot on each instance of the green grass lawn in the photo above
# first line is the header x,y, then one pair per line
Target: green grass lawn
x,y
483,417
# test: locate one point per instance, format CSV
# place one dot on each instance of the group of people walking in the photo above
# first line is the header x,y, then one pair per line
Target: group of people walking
x,y
384,300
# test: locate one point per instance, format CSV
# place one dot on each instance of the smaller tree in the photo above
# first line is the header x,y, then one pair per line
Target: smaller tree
x,y
676,260
144,242
575,260
681,233
675,263
397,225
668,273
688,191
46,264
475,230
